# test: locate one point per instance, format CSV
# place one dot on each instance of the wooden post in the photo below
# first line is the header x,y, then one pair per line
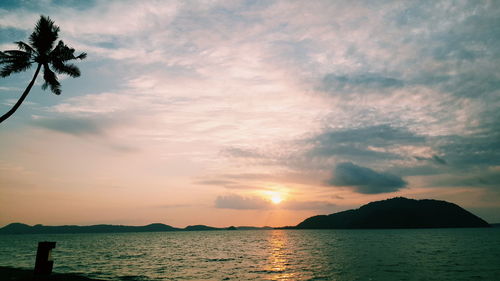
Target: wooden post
x,y
44,262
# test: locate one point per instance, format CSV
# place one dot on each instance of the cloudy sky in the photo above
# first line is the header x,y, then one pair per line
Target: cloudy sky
x,y
204,112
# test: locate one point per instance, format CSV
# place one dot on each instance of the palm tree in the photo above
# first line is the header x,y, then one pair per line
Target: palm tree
x,y
41,51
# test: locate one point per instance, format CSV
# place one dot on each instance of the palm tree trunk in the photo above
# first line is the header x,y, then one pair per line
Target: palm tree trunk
x,y
21,99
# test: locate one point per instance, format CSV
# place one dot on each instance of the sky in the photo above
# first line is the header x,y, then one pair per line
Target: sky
x,y
252,112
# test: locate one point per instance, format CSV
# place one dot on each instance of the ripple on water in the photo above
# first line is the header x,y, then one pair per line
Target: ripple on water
x,y
432,254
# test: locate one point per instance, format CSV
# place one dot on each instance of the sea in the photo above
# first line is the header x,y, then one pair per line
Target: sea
x,y
396,254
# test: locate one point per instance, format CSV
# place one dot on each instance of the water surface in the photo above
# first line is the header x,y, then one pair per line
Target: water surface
x,y
405,254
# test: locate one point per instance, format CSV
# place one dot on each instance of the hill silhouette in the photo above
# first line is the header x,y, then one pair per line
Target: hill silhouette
x,y
397,212
200,227
21,228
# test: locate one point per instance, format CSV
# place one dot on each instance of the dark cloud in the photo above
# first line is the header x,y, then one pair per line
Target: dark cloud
x,y
365,180
438,160
379,135
468,151
434,159
350,151
475,37
355,83
14,4
71,125
417,169
43,7
472,84
241,203
355,143
489,178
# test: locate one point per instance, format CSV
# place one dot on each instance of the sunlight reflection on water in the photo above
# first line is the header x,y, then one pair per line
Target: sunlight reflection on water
x,y
278,259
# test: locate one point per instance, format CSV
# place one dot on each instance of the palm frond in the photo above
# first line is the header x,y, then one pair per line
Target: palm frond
x,y
25,47
66,68
8,69
64,53
16,54
4,58
44,36
82,56
51,81
13,61
60,55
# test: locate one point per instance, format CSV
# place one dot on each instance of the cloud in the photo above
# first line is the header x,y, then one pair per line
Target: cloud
x,y
364,143
241,203
308,205
483,178
356,83
378,135
434,159
9,89
242,153
229,184
217,182
481,149
238,202
72,125
365,180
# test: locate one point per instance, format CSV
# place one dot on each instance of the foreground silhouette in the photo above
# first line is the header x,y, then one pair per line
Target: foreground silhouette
x,y
397,212
41,51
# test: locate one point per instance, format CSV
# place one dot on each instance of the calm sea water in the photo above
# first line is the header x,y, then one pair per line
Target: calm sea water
x,y
422,254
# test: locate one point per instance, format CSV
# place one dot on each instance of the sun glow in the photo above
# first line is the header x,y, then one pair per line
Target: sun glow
x,y
276,198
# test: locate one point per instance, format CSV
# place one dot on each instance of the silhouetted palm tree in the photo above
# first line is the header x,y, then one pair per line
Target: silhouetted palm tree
x,y
41,51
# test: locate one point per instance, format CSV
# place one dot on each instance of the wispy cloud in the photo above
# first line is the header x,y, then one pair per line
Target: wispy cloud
x,y
238,202
241,203
72,126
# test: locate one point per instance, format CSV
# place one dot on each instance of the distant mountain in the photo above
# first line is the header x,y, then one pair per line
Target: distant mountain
x,y
253,227
397,212
20,228
201,228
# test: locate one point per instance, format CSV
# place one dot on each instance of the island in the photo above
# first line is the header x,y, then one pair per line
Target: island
x,y
397,212
21,228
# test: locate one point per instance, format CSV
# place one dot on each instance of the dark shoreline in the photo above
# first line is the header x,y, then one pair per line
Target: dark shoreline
x,y
18,274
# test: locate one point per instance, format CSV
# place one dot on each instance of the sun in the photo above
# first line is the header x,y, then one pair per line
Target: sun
x,y
276,198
